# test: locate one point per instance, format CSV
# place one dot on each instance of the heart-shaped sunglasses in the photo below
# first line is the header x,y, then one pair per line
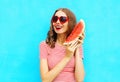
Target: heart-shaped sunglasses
x,y
62,19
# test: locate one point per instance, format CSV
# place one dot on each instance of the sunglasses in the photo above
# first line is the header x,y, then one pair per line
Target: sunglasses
x,y
62,19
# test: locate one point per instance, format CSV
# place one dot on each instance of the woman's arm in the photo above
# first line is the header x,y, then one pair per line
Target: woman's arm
x,y
79,68
49,75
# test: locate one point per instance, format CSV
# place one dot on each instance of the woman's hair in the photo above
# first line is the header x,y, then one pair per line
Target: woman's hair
x,y
52,35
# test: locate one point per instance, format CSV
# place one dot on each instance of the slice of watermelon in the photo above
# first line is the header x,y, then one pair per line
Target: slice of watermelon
x,y
76,32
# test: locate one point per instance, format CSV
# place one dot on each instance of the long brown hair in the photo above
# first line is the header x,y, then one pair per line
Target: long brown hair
x,y
52,35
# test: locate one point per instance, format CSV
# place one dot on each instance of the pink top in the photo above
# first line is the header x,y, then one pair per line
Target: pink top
x,y
55,55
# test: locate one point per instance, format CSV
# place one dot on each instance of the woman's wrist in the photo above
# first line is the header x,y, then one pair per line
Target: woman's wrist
x,y
69,55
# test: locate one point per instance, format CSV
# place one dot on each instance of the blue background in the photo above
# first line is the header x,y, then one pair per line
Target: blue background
x,y
24,24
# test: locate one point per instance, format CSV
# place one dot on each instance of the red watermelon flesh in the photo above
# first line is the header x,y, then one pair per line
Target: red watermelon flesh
x,y
76,32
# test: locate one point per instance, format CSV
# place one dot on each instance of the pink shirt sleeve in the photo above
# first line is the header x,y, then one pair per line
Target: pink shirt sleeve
x,y
43,50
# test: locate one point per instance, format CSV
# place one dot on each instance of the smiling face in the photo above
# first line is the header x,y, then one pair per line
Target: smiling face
x,y
57,27
61,24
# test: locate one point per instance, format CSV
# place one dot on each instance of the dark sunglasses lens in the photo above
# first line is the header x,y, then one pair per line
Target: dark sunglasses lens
x,y
63,19
54,19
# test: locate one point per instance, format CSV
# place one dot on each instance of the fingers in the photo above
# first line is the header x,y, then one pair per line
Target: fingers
x,y
73,43
76,44
80,41
81,36
83,33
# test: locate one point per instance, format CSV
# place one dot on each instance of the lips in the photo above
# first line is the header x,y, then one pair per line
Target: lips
x,y
58,27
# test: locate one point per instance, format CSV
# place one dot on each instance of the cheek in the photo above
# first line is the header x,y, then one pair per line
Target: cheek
x,y
53,24
66,26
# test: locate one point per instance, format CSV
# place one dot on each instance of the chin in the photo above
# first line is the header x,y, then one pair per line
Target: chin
x,y
60,32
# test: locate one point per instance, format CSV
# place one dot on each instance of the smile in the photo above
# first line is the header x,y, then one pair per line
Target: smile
x,y
58,27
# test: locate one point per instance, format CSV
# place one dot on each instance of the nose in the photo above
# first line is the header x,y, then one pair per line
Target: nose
x,y
58,21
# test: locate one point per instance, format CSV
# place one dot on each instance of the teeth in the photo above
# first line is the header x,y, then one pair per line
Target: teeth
x,y
58,27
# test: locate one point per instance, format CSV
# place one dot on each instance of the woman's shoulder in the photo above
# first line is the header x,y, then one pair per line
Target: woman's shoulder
x,y
44,46
43,43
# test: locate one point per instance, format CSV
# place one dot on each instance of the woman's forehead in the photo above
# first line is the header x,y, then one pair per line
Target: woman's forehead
x,y
60,13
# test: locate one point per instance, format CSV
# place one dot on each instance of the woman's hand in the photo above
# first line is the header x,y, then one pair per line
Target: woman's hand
x,y
81,38
70,49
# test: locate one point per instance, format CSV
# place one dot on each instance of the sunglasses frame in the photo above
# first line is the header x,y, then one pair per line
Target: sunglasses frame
x,y
60,19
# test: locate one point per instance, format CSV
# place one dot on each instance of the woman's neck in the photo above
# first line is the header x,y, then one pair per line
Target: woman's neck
x,y
61,38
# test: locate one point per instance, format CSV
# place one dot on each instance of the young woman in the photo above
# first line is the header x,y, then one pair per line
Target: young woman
x,y
59,63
